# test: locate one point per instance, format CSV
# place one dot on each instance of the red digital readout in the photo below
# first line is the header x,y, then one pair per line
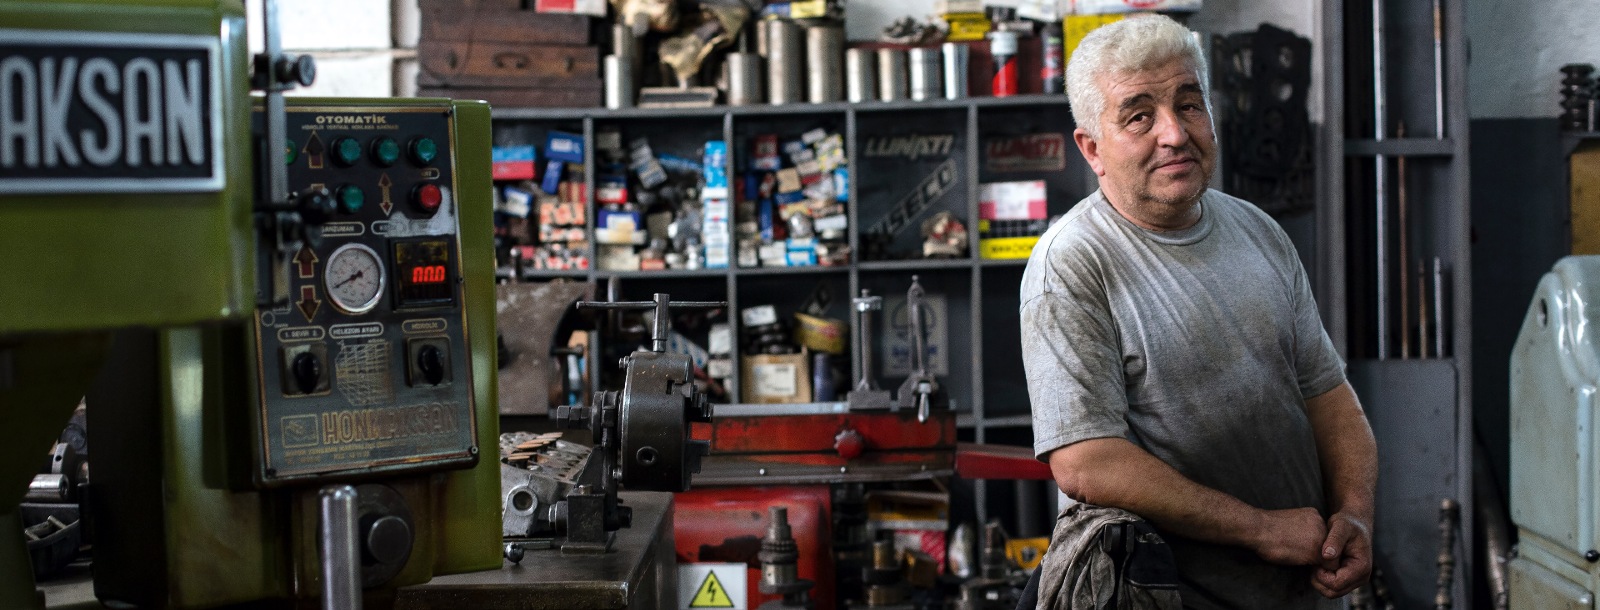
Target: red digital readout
x,y
427,274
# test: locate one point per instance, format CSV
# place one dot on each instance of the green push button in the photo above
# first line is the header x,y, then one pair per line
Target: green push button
x,y
351,198
346,151
290,152
424,151
386,151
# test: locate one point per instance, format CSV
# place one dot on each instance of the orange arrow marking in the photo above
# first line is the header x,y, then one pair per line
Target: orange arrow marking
x,y
313,151
307,261
383,184
308,302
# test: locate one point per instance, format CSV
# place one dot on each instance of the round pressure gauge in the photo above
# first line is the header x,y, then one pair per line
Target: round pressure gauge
x,y
354,278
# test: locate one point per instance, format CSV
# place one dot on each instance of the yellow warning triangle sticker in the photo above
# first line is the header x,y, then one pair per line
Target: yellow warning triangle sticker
x,y
711,594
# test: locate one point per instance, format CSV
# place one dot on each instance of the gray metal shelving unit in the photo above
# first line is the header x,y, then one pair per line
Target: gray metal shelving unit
x,y
982,291
1420,408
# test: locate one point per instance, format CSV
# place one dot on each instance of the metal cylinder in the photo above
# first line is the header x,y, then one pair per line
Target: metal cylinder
x,y
624,45
744,79
956,58
785,62
824,51
761,38
891,75
47,488
341,558
924,68
619,82
860,75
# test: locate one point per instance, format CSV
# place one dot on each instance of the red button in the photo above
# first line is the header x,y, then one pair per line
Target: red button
x,y
849,444
428,197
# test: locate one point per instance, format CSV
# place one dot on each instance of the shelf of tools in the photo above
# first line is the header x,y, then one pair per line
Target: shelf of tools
x,y
1393,274
912,176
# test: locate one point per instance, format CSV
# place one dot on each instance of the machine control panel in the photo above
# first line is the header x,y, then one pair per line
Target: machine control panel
x,y
368,368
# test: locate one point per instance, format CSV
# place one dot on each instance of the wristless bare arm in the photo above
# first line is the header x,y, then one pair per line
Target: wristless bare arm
x,y
1114,472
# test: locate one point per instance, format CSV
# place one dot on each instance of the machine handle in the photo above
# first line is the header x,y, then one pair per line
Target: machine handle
x,y
661,303
341,559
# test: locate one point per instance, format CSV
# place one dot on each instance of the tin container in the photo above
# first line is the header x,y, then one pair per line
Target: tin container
x,y
619,82
824,51
744,79
891,75
956,58
860,75
785,62
924,68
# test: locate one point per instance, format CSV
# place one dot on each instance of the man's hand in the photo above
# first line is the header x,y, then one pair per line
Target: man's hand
x,y
1346,556
1291,537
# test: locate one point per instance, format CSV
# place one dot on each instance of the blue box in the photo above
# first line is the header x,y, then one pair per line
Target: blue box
x,y
714,164
552,176
562,146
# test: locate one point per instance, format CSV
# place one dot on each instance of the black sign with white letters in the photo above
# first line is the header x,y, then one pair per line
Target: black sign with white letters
x,y
92,112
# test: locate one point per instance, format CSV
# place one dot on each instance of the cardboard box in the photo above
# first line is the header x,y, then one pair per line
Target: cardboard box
x,y
1023,200
776,379
595,8
1006,247
512,162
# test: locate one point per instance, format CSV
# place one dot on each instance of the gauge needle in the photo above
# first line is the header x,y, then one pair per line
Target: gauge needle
x,y
352,278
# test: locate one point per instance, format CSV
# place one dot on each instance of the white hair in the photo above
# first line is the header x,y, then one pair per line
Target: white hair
x,y
1137,43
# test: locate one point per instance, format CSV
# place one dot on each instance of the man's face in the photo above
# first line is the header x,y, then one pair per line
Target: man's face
x,y
1156,150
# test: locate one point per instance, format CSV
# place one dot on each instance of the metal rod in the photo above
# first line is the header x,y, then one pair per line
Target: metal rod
x,y
1439,331
864,306
1449,512
1405,254
1422,310
659,324
1438,71
1380,121
341,561
47,488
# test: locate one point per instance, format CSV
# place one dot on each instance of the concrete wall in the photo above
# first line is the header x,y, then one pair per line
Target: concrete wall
x,y
353,41
1518,49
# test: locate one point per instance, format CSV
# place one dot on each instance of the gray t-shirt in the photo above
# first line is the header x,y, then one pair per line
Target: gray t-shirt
x,y
1200,346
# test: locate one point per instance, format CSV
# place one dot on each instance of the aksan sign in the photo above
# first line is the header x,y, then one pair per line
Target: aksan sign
x,y
98,112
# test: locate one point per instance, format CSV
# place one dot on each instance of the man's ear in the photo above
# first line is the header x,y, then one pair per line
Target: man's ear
x,y
1090,150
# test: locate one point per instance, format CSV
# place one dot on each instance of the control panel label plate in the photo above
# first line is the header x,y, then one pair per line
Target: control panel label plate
x,y
381,387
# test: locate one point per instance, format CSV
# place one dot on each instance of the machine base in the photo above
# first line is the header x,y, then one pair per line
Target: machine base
x,y
640,572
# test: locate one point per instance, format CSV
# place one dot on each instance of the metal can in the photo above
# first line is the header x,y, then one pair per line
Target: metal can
x,y
824,49
891,75
619,82
1003,46
956,58
860,75
744,79
785,62
925,68
1052,72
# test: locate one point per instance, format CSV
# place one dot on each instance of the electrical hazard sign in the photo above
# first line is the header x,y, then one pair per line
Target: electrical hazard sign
x,y
712,585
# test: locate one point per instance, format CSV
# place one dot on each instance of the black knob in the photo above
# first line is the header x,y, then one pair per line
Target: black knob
x,y
1592,555
300,69
317,206
387,540
307,372
430,360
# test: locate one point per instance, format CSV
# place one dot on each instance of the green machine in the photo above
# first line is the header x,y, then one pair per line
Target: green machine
x,y
288,361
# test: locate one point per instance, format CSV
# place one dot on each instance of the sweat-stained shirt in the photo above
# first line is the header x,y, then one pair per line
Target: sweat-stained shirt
x,y
1200,346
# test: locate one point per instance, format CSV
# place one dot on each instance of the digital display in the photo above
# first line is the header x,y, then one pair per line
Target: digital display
x,y
424,275
427,274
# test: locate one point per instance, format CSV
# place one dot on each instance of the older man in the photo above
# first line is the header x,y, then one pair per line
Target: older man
x,y
1175,359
